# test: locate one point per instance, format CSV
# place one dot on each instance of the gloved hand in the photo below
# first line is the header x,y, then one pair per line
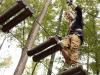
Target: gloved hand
x,y
69,2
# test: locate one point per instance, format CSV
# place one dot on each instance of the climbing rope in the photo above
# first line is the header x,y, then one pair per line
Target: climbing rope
x,y
41,26
46,67
3,42
15,37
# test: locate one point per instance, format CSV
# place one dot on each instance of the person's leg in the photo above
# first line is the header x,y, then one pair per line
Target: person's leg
x,y
65,51
66,42
71,44
74,55
74,47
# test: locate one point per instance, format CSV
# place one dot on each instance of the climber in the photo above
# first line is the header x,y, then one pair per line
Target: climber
x,y
72,42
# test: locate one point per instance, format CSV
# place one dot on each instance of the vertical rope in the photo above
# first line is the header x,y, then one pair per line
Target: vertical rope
x,y
3,42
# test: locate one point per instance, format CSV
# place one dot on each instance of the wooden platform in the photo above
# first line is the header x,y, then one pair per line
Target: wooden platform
x,y
15,14
22,16
37,57
78,70
42,46
19,5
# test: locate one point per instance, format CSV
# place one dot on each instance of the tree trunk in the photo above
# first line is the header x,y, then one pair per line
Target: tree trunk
x,y
31,38
53,55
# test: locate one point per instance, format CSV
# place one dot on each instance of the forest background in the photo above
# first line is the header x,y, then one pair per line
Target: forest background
x,y
48,20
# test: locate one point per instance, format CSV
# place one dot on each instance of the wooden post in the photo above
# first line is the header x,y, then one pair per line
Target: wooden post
x,y
12,11
24,14
37,57
72,70
42,46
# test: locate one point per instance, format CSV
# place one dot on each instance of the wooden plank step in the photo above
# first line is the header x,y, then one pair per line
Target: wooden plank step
x,y
23,15
37,57
19,5
72,71
44,45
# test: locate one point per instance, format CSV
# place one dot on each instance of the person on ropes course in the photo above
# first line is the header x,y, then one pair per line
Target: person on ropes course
x,y
69,45
74,39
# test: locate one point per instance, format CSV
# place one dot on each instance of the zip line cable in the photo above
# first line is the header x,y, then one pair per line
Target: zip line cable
x,y
41,26
15,37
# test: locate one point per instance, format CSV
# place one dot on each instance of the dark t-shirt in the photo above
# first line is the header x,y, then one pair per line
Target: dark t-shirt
x,y
78,22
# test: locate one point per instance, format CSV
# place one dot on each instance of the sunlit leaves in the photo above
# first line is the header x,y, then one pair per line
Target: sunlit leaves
x,y
6,62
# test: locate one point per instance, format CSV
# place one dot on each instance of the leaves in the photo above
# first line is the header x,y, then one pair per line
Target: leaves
x,y
50,22
6,62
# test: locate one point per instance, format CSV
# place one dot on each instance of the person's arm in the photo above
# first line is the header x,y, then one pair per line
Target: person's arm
x,y
79,19
73,6
68,18
78,11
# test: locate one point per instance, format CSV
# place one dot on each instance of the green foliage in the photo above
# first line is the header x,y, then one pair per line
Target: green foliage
x,y
6,62
50,23
5,5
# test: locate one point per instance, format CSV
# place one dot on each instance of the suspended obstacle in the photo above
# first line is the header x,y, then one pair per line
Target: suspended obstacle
x,y
12,11
49,47
37,57
43,50
14,15
77,70
39,48
24,14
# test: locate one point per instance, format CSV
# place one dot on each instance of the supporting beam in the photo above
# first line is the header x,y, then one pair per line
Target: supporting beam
x,y
23,15
44,45
12,11
73,70
37,57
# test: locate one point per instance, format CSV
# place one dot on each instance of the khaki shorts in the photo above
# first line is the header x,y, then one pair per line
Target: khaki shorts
x,y
71,44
